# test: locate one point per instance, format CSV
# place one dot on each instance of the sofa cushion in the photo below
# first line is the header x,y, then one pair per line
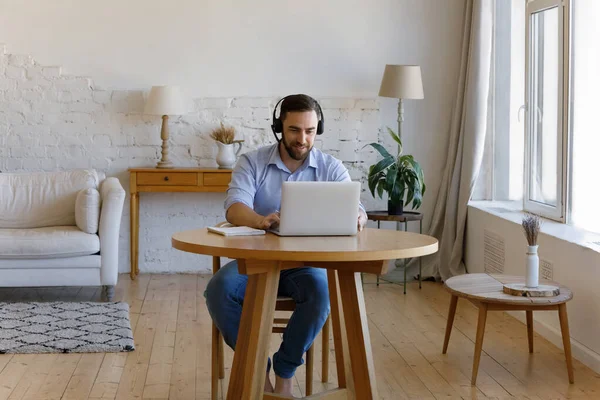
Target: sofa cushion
x,y
48,242
87,210
40,199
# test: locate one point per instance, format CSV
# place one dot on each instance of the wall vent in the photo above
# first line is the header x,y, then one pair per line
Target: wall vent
x,y
493,252
546,269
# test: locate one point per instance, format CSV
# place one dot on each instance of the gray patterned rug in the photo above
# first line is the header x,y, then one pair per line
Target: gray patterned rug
x,y
65,327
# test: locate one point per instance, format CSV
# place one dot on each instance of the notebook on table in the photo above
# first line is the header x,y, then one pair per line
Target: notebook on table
x,y
226,229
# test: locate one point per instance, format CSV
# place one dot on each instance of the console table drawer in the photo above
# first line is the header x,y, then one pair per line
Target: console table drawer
x,y
167,178
216,179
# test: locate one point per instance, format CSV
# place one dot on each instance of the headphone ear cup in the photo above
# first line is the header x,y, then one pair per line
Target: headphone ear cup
x,y
277,125
320,127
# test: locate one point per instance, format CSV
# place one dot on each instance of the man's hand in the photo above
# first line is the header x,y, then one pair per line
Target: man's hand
x,y
268,222
362,219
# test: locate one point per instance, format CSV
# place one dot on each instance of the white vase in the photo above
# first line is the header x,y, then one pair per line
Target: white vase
x,y
532,267
226,156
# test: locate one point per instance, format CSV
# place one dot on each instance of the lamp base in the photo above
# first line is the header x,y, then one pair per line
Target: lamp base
x,y
165,164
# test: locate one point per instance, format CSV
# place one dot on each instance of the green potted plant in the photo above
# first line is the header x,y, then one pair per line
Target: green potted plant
x,y
400,176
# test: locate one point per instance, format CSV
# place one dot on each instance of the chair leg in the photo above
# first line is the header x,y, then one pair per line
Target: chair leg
x,y
310,358
221,357
325,348
214,370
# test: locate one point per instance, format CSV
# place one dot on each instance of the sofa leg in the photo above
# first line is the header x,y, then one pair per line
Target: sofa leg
x,y
108,292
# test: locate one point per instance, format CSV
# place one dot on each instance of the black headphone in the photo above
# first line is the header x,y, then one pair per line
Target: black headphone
x,y
277,126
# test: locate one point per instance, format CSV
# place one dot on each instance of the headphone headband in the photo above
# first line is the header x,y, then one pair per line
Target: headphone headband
x,y
277,126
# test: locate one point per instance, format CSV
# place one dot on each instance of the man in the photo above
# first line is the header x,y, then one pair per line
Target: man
x,y
253,199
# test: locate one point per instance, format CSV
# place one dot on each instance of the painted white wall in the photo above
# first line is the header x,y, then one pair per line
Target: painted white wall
x,y
575,261
226,50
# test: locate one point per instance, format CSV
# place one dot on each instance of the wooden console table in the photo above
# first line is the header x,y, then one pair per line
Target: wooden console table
x,y
168,180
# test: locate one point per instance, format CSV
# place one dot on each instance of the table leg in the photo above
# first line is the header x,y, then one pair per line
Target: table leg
x,y
342,352
357,332
134,234
564,327
479,341
529,314
450,322
250,358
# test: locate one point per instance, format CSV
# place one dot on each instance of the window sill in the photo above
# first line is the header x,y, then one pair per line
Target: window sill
x,y
513,211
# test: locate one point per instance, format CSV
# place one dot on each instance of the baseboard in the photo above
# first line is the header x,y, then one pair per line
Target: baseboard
x,y
580,352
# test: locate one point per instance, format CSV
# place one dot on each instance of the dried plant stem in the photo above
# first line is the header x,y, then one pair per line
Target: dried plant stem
x,y
531,228
223,134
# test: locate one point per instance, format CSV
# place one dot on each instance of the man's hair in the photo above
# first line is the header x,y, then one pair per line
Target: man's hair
x,y
298,103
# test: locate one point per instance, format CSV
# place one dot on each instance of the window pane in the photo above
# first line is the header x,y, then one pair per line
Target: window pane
x,y
544,106
585,205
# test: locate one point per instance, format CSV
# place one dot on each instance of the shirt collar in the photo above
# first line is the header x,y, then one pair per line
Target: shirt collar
x,y
276,160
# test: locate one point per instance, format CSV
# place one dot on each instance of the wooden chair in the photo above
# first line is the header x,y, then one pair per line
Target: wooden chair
x,y
279,324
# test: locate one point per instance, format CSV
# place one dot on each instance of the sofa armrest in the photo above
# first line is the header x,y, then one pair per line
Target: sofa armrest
x,y
113,197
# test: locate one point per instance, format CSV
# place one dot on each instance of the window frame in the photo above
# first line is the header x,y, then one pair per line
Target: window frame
x,y
558,212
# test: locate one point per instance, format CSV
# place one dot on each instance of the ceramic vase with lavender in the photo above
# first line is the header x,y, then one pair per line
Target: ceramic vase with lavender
x,y
531,228
532,267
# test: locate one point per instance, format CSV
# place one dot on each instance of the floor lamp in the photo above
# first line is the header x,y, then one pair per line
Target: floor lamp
x,y
401,82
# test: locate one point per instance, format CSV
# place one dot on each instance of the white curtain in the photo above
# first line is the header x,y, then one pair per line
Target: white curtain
x,y
466,145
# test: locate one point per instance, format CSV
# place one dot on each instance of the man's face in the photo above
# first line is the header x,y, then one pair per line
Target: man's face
x,y
299,130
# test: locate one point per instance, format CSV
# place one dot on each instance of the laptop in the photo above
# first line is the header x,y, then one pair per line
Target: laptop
x,y
318,209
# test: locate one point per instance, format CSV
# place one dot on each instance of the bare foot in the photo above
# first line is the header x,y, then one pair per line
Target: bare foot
x,y
268,385
283,386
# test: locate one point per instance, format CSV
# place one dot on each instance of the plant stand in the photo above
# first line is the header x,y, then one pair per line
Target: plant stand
x,y
406,217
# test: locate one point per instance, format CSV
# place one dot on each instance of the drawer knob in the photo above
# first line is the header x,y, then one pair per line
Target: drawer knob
x,y
166,178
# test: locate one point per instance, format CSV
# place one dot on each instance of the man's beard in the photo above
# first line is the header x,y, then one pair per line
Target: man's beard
x,y
294,152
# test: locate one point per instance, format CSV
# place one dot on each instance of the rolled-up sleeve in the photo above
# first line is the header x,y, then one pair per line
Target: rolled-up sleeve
x,y
340,174
242,187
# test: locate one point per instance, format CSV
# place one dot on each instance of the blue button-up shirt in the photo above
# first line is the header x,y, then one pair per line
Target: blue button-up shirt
x,y
258,176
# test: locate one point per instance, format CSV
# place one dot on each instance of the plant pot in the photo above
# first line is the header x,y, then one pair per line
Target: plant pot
x,y
227,155
532,267
395,208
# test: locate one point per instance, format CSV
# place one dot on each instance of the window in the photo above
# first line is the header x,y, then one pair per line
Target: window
x,y
545,108
545,172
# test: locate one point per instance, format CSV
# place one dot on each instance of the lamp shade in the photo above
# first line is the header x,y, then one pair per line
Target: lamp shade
x,y
165,100
402,82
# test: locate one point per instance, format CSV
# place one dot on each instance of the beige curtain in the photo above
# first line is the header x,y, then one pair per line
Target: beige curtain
x,y
466,145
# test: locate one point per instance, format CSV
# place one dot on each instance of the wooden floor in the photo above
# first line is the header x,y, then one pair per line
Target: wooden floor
x,y
172,332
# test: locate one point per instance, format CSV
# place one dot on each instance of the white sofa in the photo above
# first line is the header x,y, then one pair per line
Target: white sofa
x,y
60,229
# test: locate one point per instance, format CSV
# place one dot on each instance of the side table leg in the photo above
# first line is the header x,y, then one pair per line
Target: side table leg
x,y
564,327
134,234
406,260
479,340
420,258
378,227
529,314
450,322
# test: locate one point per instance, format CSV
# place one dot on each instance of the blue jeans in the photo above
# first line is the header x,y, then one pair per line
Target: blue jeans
x,y
307,286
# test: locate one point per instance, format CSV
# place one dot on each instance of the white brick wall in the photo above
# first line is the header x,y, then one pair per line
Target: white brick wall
x,y
50,121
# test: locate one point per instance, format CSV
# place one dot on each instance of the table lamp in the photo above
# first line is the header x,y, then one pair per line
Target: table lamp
x,y
401,82
165,101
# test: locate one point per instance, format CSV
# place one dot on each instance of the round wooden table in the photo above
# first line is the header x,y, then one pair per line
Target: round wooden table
x,y
263,257
486,292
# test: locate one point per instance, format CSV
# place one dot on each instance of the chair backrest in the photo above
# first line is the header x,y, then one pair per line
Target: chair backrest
x,y
39,199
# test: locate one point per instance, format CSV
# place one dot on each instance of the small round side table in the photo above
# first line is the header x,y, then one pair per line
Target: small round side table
x,y
406,217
